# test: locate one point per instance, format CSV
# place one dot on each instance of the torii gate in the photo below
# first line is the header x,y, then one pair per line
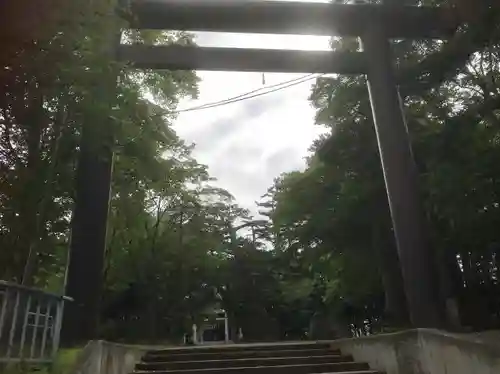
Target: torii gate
x,y
374,24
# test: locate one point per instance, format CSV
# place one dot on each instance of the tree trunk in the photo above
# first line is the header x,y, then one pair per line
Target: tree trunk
x,y
449,281
32,195
45,196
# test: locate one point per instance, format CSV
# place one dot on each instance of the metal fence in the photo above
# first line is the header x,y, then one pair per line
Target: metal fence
x,y
30,324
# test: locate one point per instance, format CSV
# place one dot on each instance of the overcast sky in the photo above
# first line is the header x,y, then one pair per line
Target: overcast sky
x,y
249,143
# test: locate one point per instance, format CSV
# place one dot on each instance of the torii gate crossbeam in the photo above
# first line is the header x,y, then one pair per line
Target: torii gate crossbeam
x,y
276,17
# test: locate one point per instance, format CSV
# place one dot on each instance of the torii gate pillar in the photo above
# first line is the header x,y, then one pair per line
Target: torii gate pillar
x,y
401,180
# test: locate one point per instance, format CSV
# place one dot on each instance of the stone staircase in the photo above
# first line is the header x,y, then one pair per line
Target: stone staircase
x,y
285,358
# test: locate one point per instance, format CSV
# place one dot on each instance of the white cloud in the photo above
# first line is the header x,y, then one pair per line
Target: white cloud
x,y
249,143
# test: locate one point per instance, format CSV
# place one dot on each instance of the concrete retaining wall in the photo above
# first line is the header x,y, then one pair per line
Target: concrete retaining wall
x,y
422,351
425,351
100,357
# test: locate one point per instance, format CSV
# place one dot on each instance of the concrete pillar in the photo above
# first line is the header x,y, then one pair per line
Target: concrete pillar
x,y
226,328
195,334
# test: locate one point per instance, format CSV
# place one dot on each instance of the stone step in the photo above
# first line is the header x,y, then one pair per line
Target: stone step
x,y
338,372
332,367
194,354
243,347
242,362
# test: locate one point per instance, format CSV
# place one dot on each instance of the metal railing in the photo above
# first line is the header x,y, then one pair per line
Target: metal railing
x,y
30,324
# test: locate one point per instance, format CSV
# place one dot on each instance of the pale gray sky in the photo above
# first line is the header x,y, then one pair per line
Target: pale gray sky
x,y
249,143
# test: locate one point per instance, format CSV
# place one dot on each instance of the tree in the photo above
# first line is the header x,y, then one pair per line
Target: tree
x,y
337,207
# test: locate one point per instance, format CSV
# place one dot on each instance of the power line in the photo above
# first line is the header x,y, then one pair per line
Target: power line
x,y
254,91
247,95
253,94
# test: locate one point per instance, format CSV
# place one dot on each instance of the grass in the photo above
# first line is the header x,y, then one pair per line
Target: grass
x,y
65,361
63,364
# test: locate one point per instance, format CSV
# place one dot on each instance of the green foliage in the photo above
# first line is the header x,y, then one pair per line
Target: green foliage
x,y
333,218
327,248
166,222
66,75
63,364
